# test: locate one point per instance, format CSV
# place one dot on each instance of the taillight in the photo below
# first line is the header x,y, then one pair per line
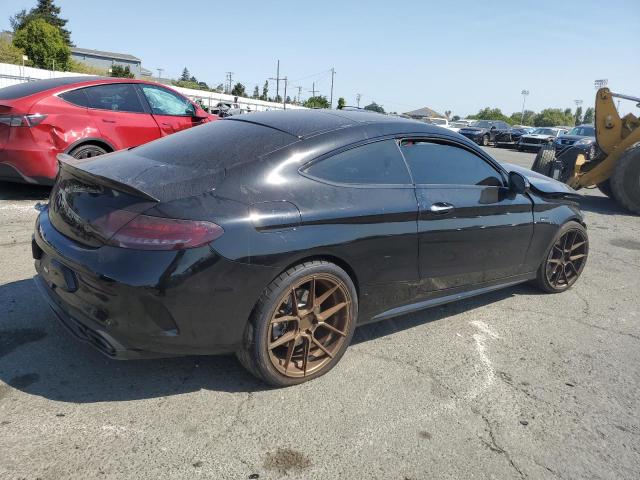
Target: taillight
x,y
22,120
156,233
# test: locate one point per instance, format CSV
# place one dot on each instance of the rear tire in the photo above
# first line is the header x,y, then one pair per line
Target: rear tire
x,y
625,181
545,156
485,140
87,151
565,260
299,359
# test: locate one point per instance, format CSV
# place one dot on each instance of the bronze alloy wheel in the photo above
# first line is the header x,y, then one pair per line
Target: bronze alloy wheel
x,y
566,259
309,325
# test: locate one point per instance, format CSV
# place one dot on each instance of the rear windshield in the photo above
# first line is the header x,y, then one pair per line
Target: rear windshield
x,y
30,88
221,144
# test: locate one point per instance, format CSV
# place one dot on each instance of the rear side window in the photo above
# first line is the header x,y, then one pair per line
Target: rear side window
x,y
77,97
119,97
442,164
375,163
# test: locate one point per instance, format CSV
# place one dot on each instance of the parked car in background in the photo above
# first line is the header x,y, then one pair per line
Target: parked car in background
x,y
277,233
511,137
84,117
540,136
484,132
457,125
441,122
582,137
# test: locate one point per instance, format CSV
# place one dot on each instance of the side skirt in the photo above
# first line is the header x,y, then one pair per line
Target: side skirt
x,y
441,300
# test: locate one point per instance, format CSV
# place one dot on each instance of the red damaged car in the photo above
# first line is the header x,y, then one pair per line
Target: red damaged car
x,y
84,117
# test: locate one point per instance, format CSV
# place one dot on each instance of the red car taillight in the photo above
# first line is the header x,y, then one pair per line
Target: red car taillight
x,y
22,120
156,233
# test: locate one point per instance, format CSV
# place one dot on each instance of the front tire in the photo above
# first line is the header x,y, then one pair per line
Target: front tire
x,y
565,260
301,325
485,140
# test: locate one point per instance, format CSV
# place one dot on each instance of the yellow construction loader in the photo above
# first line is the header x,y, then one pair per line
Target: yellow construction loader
x,y
613,165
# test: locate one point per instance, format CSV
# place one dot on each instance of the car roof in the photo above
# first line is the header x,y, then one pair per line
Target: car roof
x,y
308,123
20,90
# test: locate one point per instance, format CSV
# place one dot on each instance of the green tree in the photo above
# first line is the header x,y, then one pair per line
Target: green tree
x,y
278,99
204,85
9,53
490,114
288,99
517,118
48,11
265,91
121,72
455,118
256,92
238,90
219,88
374,107
341,103
185,75
318,101
588,115
551,117
578,115
44,44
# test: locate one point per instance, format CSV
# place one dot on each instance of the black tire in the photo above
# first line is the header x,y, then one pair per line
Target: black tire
x,y
543,280
545,156
605,187
485,140
625,181
87,151
254,355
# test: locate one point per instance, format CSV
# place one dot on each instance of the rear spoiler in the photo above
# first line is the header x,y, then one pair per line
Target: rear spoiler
x,y
70,164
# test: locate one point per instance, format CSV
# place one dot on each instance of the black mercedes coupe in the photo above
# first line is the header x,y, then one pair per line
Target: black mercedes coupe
x,y
273,235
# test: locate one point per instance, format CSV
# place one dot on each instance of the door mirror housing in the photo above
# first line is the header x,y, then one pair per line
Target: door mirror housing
x,y
518,183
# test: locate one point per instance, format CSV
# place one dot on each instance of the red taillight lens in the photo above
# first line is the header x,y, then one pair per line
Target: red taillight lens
x,y
156,233
22,120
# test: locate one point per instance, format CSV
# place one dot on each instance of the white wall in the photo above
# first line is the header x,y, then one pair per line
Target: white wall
x,y
13,74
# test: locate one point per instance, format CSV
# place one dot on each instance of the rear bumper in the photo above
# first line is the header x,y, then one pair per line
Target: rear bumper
x,y
28,166
147,304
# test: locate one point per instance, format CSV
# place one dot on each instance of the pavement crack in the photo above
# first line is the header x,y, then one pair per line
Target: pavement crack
x,y
493,445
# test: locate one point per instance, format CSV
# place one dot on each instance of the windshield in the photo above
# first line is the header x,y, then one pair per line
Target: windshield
x,y
481,124
583,131
545,131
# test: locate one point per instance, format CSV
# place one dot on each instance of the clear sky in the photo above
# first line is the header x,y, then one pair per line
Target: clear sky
x,y
449,55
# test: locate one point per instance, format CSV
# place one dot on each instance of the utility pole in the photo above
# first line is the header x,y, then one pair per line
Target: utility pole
x,y
333,72
358,97
277,79
524,94
313,90
230,80
284,98
299,93
160,70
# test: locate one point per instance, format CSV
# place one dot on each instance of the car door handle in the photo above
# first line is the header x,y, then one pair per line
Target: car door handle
x,y
108,121
441,207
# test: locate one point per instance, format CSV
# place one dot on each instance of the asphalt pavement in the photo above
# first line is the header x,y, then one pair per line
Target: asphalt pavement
x,y
513,384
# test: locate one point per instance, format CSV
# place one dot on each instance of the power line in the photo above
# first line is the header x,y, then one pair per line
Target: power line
x,y
277,79
229,79
313,90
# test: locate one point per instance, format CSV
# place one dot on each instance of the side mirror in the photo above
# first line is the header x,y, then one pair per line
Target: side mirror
x,y
518,183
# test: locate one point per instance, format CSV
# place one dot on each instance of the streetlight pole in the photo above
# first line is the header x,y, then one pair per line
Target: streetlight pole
x,y
524,94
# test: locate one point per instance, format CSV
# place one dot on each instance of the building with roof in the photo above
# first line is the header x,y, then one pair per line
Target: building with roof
x,y
423,113
105,60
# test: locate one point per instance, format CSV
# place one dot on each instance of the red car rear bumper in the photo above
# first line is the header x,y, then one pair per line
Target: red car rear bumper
x,y
28,165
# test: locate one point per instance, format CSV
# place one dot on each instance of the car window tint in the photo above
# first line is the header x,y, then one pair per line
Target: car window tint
x,y
77,97
441,164
164,102
120,97
375,163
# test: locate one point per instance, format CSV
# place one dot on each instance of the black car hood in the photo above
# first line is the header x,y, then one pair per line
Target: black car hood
x,y
543,184
472,130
